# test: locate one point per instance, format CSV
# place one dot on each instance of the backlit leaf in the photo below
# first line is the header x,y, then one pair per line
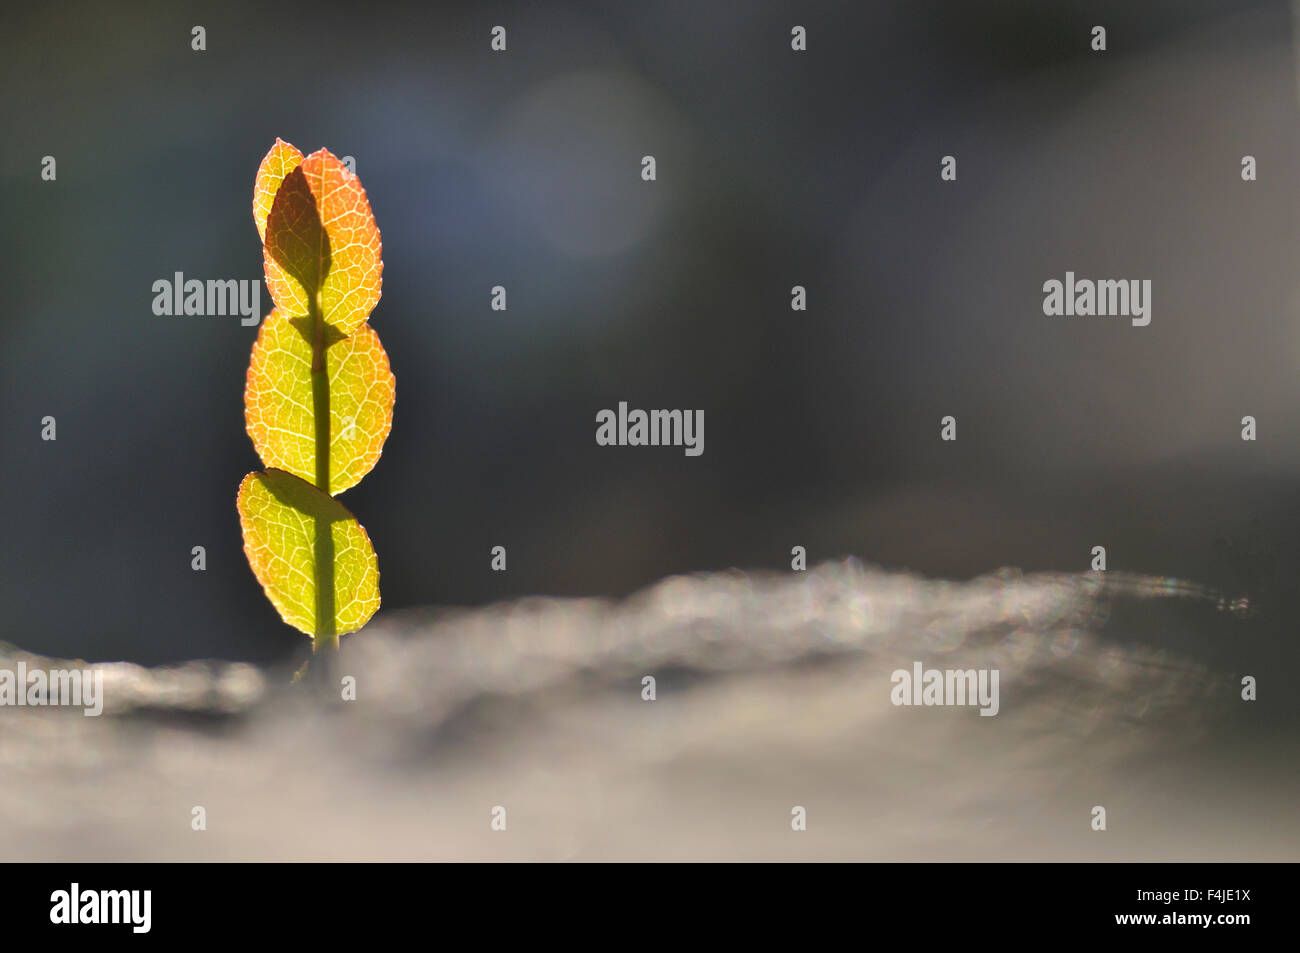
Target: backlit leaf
x,y
322,247
279,162
318,433
309,553
279,400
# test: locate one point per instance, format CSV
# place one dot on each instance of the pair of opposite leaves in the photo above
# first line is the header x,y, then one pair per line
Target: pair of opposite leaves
x,y
315,358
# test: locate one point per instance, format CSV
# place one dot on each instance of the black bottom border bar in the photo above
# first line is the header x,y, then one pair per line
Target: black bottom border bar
x,y
333,901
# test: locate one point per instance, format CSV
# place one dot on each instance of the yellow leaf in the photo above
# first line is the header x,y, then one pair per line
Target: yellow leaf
x,y
279,162
280,400
312,557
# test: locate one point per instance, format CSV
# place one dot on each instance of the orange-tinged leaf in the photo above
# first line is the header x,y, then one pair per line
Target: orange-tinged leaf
x,y
309,553
322,249
280,400
279,162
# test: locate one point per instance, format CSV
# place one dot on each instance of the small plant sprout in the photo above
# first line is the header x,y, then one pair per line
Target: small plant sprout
x,y
318,400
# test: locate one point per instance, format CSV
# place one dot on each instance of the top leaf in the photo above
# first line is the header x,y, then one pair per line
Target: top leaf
x,y
321,248
279,162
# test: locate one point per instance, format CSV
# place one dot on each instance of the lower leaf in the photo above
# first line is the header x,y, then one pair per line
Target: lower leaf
x,y
312,557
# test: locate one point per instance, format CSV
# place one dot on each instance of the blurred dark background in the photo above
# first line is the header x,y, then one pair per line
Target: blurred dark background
x,y
775,168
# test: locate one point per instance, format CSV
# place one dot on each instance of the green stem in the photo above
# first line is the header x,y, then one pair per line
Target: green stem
x,y
327,638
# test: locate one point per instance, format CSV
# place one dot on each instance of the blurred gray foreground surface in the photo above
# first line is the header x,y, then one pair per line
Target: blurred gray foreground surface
x,y
772,691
